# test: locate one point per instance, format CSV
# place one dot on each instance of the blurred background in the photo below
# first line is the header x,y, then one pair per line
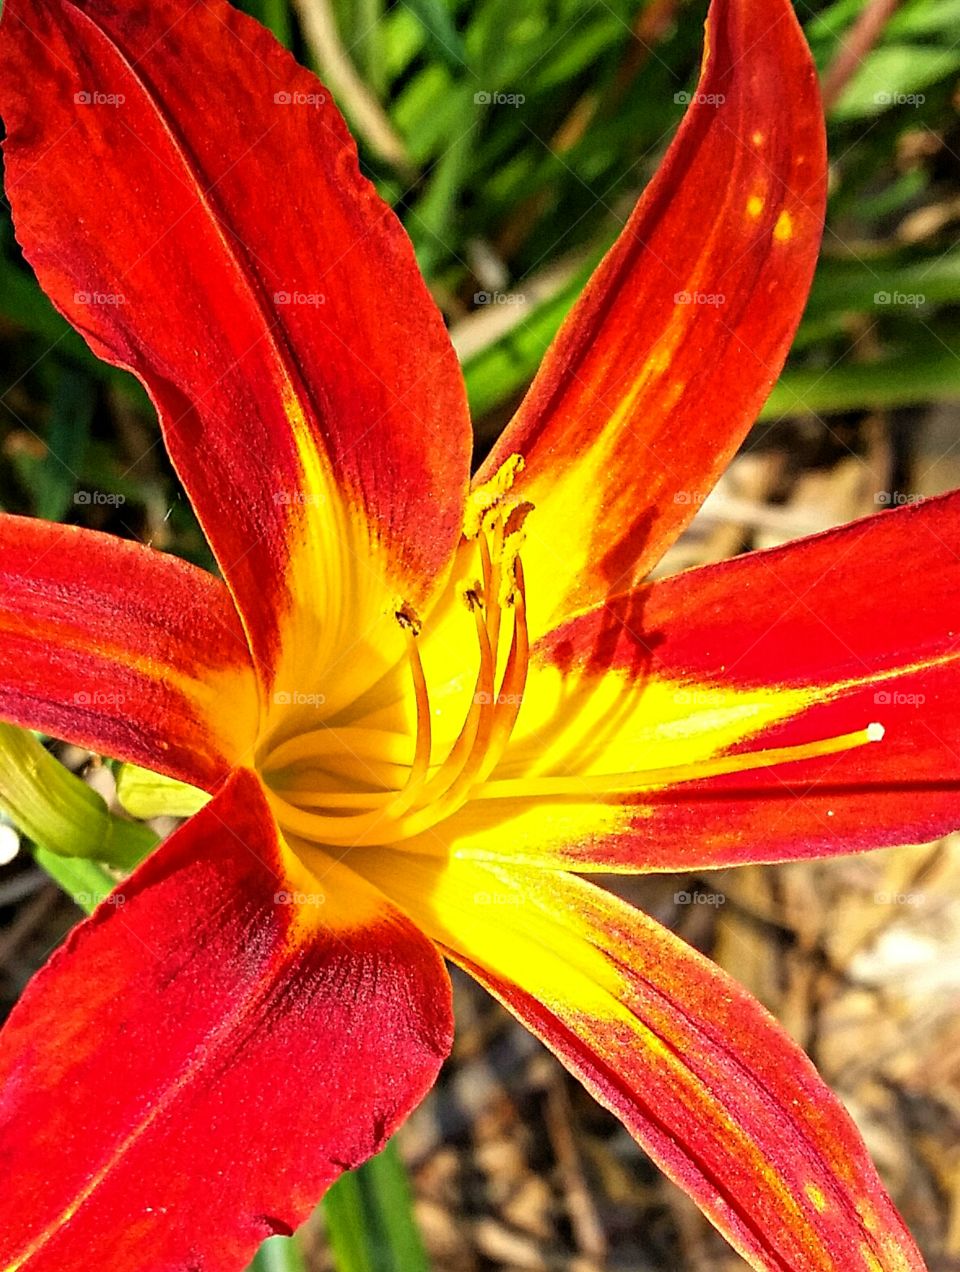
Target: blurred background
x,y
513,137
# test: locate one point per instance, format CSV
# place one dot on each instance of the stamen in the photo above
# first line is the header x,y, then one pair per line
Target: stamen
x,y
372,744
421,755
510,696
485,499
409,794
616,784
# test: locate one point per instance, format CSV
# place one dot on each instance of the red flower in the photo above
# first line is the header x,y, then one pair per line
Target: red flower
x,y
412,743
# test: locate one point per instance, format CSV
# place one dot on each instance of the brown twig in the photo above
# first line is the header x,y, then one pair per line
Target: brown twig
x,y
352,94
584,1219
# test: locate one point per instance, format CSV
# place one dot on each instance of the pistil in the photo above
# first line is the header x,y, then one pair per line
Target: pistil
x,y
613,785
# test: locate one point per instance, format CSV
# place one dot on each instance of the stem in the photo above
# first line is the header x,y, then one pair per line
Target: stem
x,y
58,811
352,94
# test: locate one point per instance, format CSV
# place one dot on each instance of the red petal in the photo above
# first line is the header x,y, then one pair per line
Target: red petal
x,y
696,1069
191,200
123,650
662,366
858,625
199,1062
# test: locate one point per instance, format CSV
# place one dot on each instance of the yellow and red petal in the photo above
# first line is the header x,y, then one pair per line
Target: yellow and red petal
x,y
776,649
663,364
208,1052
636,713
124,650
231,254
698,1072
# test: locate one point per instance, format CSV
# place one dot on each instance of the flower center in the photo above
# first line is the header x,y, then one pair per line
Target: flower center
x,y
433,788
308,776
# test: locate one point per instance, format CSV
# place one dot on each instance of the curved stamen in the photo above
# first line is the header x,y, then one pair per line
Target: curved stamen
x,y
614,785
510,695
384,817
424,743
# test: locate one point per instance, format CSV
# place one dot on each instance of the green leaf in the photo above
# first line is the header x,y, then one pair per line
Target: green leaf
x,y
144,794
86,882
275,15
435,18
53,477
924,18
903,380
508,364
58,811
894,75
279,1254
883,287
369,1218
365,41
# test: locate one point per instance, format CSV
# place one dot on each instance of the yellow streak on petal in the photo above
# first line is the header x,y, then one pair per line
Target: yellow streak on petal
x,y
755,205
590,722
520,938
783,230
337,588
585,482
817,1198
758,138
229,699
870,1260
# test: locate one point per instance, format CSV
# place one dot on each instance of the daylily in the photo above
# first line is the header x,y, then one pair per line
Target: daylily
x,y
421,705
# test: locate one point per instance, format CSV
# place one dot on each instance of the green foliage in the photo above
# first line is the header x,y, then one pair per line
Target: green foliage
x,y
530,129
369,1220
